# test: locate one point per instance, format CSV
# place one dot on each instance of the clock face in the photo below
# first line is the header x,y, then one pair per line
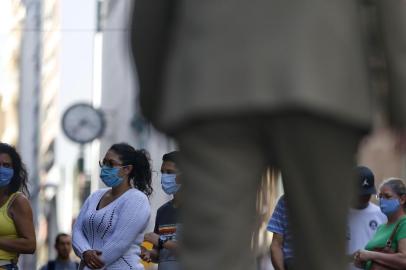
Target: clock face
x,y
82,123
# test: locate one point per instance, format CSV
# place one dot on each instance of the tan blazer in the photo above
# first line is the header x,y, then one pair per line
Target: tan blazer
x,y
200,59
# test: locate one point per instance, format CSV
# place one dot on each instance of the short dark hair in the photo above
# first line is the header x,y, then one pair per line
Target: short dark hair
x,y
171,156
58,237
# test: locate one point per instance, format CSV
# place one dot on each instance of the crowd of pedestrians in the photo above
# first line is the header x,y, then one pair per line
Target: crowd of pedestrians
x,y
370,228
111,224
110,227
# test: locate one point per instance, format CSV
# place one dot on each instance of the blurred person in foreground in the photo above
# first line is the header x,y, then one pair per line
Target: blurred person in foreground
x,y
281,245
17,233
164,237
364,216
109,229
63,247
392,202
242,85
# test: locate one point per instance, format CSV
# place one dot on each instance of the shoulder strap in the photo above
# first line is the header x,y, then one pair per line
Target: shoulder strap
x,y
392,236
12,199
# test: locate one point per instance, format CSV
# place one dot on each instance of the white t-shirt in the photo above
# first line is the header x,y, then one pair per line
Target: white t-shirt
x,y
362,225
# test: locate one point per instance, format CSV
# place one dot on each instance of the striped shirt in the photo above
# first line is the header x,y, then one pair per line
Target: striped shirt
x,y
279,224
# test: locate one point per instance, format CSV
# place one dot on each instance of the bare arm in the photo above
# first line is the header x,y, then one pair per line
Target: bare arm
x,y
171,245
395,260
154,239
277,252
21,213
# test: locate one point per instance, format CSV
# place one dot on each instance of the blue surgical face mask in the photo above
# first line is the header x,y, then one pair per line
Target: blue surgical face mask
x,y
109,176
5,176
389,206
168,182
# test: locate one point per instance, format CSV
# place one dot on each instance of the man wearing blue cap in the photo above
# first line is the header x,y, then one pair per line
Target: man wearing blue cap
x,y
364,216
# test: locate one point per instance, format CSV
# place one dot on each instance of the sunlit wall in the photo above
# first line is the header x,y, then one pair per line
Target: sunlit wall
x,y
11,17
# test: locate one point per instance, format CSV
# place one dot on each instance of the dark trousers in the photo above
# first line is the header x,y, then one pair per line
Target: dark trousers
x,y
288,264
222,164
9,267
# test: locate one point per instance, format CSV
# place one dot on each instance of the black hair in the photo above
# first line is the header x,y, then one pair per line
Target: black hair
x,y
171,156
20,177
58,237
141,173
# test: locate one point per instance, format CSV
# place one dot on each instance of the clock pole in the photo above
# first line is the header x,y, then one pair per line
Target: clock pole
x,y
82,124
82,177
81,159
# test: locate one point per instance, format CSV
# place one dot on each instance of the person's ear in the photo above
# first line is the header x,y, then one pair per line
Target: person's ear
x,y
178,179
127,169
403,200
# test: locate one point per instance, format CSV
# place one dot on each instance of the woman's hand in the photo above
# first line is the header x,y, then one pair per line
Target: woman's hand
x,y
365,255
361,257
92,259
146,255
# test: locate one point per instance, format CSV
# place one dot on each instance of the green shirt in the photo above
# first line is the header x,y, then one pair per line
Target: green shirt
x,y
382,235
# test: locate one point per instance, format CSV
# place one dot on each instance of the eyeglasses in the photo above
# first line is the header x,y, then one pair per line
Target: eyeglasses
x,y
109,163
6,165
385,196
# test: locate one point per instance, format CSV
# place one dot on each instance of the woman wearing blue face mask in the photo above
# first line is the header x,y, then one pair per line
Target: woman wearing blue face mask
x,y
392,201
108,230
17,234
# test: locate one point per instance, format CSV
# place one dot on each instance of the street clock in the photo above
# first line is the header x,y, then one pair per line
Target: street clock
x,y
82,123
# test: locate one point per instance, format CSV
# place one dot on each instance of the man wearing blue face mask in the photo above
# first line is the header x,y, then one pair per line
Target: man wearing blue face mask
x,y
166,231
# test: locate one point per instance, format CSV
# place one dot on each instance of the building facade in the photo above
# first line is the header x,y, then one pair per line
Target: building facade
x,y
12,15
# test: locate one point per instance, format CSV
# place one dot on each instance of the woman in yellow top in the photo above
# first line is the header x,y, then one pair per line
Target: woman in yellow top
x,y
17,234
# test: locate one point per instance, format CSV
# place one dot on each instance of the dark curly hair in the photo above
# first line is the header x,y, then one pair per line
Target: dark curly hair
x,y
20,177
140,175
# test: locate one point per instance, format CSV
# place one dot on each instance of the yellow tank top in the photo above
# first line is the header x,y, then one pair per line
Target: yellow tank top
x,y
7,228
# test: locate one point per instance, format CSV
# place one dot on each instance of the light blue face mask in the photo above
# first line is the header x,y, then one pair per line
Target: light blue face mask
x,y
109,176
168,182
389,206
5,176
